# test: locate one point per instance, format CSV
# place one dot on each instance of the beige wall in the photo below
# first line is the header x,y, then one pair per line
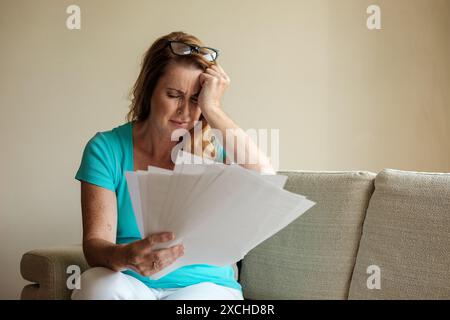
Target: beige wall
x,y
343,97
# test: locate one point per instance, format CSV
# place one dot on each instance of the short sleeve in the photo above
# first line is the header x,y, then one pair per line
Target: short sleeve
x,y
97,163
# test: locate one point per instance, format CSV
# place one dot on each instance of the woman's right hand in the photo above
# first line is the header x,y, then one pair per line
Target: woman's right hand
x,y
142,258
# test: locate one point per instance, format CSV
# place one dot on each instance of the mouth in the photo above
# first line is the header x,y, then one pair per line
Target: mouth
x,y
179,124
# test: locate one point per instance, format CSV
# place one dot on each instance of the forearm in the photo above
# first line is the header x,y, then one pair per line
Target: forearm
x,y
103,253
243,149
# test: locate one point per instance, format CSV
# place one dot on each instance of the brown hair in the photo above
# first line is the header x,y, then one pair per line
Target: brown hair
x,y
153,66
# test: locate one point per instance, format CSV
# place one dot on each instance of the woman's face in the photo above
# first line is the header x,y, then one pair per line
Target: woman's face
x,y
174,99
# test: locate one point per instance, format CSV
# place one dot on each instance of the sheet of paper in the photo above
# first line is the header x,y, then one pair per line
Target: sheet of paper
x,y
219,212
135,197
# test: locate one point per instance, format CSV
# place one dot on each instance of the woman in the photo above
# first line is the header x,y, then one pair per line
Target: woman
x,y
179,84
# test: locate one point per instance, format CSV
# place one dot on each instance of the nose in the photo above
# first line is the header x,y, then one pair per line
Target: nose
x,y
183,108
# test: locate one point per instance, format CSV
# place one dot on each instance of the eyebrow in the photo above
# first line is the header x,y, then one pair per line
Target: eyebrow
x,y
196,94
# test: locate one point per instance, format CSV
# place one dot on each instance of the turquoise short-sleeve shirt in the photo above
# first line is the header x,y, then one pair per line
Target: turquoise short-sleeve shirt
x,y
106,158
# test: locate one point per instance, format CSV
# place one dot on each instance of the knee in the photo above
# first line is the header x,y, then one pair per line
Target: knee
x,y
222,292
99,284
212,291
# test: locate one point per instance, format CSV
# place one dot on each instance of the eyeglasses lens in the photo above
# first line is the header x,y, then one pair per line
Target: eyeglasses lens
x,y
180,48
183,49
209,54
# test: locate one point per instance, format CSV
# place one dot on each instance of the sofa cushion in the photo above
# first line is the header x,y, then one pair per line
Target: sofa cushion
x,y
313,257
406,234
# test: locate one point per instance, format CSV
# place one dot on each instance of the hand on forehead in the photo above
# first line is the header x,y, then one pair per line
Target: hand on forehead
x,y
182,78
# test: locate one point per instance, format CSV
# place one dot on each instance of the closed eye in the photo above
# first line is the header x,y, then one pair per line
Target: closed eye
x,y
194,98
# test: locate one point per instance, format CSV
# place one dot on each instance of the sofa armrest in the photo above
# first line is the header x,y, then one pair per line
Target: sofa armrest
x,y
47,269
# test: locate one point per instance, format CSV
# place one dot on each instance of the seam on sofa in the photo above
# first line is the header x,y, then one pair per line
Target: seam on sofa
x,y
416,172
359,241
356,172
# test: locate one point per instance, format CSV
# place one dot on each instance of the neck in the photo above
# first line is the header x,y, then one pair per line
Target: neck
x,y
156,145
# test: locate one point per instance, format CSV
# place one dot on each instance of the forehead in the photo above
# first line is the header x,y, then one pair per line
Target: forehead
x,y
181,76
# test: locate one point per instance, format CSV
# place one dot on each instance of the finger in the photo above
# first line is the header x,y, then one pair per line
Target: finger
x,y
169,253
158,260
218,73
157,238
134,268
164,257
161,237
152,269
219,69
213,72
204,77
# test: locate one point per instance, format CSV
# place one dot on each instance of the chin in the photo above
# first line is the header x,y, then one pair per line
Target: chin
x,y
176,133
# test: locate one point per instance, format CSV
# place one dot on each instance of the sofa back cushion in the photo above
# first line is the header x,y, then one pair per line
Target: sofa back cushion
x,y
406,238
313,257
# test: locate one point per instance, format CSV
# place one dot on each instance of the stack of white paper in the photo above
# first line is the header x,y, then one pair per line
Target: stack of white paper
x,y
219,212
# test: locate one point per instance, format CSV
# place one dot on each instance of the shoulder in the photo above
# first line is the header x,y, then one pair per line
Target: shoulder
x,y
109,147
103,157
110,141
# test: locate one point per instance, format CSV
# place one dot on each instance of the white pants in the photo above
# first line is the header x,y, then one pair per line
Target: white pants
x,y
105,284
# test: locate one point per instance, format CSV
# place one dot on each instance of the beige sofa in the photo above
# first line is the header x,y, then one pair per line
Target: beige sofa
x,y
370,236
